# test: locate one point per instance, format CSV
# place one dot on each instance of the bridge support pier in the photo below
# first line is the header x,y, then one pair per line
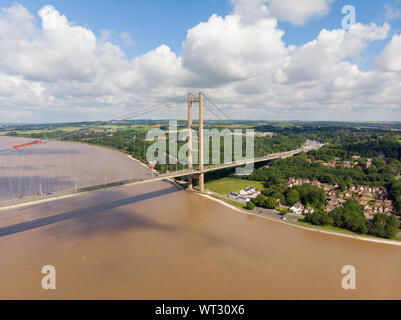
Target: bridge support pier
x,y
190,183
202,183
201,176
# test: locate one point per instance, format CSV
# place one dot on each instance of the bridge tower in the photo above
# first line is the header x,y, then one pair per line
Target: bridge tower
x,y
201,178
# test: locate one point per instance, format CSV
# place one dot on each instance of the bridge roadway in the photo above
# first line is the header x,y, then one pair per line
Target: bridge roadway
x,y
187,172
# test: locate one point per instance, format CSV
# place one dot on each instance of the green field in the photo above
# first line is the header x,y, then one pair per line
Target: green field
x,y
233,203
226,185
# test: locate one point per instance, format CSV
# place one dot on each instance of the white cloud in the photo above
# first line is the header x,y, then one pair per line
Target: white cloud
x,y
223,50
105,35
392,13
50,55
296,12
157,68
390,58
323,57
126,38
240,59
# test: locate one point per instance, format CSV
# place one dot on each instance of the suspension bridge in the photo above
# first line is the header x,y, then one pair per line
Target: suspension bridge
x,y
194,170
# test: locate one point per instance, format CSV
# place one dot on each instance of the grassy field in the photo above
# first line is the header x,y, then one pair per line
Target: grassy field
x,y
226,185
234,203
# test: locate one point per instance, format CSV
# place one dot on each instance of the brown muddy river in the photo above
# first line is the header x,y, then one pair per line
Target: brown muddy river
x,y
157,241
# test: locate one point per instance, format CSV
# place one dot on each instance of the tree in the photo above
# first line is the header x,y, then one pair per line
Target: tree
x,y
379,225
260,200
350,216
392,226
270,203
250,205
385,226
278,196
319,218
292,196
395,195
342,186
313,196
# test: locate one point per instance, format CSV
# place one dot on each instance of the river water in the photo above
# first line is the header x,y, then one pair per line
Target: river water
x,y
55,167
160,242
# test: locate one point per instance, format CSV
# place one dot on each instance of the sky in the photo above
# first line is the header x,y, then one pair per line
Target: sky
x,y
82,60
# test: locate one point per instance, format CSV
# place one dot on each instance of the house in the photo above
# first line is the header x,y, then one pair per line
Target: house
x,y
368,215
368,208
233,196
247,191
254,195
332,203
315,183
238,197
330,165
245,195
387,202
330,208
327,188
347,164
389,209
250,190
243,199
296,182
297,208
309,210
333,194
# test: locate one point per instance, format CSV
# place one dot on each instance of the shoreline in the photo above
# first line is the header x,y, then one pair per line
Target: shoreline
x,y
317,229
140,162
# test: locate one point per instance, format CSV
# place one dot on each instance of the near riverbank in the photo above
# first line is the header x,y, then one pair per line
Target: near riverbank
x,y
301,225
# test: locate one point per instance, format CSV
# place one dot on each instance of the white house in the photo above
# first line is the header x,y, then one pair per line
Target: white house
x,y
233,196
297,208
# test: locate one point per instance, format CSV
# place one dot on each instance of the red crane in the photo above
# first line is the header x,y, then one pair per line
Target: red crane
x,y
20,146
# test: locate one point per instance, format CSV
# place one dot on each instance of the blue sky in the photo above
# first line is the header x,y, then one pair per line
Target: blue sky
x,y
151,23
54,84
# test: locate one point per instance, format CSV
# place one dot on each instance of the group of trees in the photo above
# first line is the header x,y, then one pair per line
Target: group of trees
x,y
380,173
308,195
395,194
388,145
265,202
350,216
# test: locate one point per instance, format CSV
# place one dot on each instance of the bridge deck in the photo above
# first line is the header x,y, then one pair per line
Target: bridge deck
x,y
187,172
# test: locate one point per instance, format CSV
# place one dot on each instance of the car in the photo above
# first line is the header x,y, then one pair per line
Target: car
x,y
283,218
